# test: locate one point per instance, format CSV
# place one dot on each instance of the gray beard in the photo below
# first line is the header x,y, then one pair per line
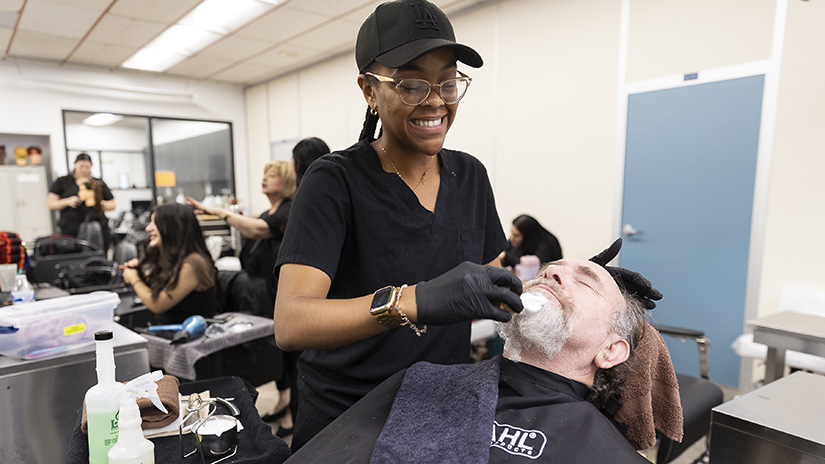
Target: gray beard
x,y
542,334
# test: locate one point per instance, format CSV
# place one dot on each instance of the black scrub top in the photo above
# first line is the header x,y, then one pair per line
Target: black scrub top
x,y
71,218
258,257
366,229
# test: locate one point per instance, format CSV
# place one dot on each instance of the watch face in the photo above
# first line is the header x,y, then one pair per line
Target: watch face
x,y
381,297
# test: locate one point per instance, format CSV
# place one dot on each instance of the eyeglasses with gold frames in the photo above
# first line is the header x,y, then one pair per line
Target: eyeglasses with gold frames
x,y
414,92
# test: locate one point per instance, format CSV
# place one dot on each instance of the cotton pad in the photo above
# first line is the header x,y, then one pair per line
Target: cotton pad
x,y
533,302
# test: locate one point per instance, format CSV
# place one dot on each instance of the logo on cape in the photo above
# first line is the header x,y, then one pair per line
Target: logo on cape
x,y
518,441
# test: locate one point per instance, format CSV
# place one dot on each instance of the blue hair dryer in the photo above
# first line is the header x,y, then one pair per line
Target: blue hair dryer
x,y
192,328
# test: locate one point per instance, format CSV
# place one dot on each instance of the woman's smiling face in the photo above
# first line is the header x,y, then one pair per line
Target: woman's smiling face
x,y
154,234
421,128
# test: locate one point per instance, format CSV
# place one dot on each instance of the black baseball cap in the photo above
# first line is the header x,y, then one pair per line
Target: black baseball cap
x,y
401,31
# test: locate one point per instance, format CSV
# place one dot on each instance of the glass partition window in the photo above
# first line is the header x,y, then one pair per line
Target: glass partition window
x,y
147,159
118,147
198,153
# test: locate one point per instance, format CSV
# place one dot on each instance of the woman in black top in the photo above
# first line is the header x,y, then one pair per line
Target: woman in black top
x,y
253,289
175,277
388,237
80,197
529,237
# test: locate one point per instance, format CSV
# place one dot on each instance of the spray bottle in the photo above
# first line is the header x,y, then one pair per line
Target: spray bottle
x,y
132,447
101,412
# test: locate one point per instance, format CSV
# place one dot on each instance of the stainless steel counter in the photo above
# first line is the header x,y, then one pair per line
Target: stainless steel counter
x,y
788,331
782,422
41,400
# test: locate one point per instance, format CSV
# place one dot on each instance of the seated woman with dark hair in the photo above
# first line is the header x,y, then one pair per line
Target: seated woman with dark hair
x,y
529,237
175,277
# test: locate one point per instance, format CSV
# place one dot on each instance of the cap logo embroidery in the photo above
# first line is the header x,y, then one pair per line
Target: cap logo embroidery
x,y
425,19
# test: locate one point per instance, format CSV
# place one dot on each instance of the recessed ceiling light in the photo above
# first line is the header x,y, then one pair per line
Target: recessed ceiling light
x,y
102,119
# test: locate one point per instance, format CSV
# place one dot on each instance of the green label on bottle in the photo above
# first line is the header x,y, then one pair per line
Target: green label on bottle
x,y
102,436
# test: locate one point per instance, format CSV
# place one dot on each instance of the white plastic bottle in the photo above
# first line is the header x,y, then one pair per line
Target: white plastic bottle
x,y
23,291
132,447
101,410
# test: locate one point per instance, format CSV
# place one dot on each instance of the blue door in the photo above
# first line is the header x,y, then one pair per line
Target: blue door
x,y
688,195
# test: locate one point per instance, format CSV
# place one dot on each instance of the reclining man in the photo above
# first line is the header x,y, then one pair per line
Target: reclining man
x,y
545,400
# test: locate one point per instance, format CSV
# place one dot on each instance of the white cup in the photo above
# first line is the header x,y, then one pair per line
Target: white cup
x,y
7,276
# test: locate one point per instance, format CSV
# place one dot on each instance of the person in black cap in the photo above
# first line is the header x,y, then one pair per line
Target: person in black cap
x,y
383,260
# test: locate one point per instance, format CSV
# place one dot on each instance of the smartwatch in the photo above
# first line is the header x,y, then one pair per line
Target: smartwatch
x,y
383,300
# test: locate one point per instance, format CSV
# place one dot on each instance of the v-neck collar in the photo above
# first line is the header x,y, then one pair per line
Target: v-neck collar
x,y
393,182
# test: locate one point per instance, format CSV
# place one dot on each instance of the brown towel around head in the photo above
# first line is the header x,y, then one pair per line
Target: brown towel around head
x,y
153,417
650,400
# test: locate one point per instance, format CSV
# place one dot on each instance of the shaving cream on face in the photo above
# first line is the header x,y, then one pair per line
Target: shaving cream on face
x,y
533,302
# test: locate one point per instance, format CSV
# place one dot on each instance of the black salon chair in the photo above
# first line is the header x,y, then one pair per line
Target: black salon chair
x,y
698,396
125,251
92,232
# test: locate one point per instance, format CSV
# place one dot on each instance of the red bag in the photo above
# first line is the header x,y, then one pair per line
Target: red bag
x,y
12,250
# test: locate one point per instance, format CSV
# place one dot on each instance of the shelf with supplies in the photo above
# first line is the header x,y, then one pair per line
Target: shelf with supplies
x,y
213,226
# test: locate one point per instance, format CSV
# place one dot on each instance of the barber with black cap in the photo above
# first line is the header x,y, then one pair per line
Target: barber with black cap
x,y
391,244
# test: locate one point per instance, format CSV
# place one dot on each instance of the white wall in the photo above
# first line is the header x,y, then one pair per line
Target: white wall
x,y
795,226
33,96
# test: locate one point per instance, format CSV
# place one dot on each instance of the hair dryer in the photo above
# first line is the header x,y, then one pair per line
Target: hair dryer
x,y
192,328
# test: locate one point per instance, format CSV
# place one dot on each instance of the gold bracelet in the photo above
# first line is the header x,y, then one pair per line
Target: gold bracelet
x,y
406,320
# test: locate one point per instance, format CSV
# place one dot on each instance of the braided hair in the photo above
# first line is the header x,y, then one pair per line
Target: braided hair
x,y
370,121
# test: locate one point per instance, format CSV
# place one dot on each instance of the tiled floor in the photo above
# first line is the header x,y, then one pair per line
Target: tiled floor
x,y
268,395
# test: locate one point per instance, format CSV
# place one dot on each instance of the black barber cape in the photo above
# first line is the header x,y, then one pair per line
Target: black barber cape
x,y
493,411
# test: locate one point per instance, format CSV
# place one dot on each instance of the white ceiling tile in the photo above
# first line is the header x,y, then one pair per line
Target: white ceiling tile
x,y
332,8
284,56
126,31
330,35
200,67
5,35
8,19
32,44
99,5
57,20
359,16
104,54
235,48
11,5
165,11
280,25
247,73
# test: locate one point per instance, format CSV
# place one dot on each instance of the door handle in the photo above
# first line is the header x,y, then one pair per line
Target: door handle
x,y
629,230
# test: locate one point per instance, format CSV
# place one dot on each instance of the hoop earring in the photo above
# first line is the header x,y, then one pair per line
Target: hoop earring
x,y
373,111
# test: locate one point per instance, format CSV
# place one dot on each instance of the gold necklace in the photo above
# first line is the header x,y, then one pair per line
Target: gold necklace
x,y
399,174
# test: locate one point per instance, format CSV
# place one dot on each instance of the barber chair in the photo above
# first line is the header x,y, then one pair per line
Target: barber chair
x,y
697,395
92,232
125,251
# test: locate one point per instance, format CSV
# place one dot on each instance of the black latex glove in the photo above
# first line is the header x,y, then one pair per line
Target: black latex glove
x,y
468,291
631,281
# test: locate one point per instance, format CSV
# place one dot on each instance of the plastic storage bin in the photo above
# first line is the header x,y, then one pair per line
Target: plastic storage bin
x,y
50,327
